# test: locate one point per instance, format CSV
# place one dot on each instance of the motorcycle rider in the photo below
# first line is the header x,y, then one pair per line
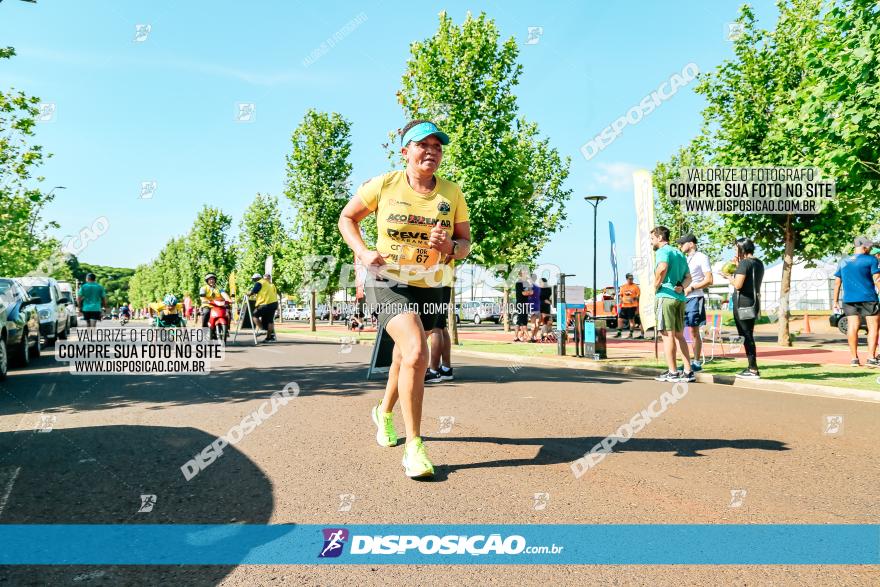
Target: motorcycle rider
x,y
125,312
210,293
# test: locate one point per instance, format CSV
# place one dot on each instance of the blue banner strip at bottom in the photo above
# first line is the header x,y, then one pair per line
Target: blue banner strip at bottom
x,y
233,544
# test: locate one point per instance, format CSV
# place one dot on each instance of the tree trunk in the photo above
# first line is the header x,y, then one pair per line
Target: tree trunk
x,y
784,338
312,311
330,308
453,327
505,315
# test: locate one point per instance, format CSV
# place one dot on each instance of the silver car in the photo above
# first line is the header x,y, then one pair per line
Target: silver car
x,y
52,309
480,311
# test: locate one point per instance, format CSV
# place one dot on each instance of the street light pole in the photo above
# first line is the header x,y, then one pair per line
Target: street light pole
x,y
595,201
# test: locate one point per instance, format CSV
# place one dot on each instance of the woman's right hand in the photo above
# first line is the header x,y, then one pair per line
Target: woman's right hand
x,y
372,260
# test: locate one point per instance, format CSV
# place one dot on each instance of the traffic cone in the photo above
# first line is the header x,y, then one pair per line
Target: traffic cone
x,y
807,324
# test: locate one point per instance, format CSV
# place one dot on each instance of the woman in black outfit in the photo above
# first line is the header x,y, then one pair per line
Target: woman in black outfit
x,y
746,282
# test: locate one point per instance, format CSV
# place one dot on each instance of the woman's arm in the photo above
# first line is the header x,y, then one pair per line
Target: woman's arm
x,y
349,225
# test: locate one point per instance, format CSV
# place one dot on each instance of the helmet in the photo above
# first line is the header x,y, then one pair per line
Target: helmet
x,y
210,275
170,300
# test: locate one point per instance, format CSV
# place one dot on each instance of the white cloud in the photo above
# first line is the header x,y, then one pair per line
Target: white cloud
x,y
617,176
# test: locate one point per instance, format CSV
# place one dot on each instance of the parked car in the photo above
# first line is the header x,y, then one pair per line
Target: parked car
x,y
66,289
295,313
19,325
480,311
842,324
54,322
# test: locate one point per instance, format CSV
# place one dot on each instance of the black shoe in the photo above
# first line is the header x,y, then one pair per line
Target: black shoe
x,y
618,335
874,362
748,374
432,376
446,373
270,338
687,377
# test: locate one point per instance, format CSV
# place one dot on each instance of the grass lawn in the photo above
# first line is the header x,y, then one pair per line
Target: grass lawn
x,y
816,374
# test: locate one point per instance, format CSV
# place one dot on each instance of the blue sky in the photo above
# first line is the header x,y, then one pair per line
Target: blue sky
x,y
164,109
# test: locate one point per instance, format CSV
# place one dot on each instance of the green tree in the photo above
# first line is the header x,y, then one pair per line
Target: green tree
x,y
22,234
806,94
318,172
261,233
711,235
209,248
464,78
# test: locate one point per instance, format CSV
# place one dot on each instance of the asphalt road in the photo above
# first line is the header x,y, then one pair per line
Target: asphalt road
x,y
516,429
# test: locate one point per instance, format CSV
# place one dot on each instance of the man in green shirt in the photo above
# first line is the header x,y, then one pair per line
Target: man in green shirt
x,y
92,301
671,276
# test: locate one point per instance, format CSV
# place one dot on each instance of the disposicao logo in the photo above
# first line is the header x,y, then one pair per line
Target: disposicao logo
x,y
334,540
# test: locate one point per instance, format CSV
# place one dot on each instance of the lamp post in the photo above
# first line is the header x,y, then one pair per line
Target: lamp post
x,y
595,201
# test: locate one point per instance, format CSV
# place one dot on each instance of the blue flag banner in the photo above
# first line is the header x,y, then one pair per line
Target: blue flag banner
x,y
614,264
295,544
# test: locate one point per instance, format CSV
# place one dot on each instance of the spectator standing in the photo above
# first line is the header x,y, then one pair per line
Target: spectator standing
x,y
671,276
695,306
629,307
746,283
859,275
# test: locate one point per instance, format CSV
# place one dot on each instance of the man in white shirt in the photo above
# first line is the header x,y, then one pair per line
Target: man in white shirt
x,y
695,307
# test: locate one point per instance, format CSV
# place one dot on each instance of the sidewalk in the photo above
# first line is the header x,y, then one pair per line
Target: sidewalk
x,y
621,348
797,368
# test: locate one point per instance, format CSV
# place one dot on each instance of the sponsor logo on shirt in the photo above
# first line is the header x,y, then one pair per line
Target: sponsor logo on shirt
x,y
443,207
414,219
407,234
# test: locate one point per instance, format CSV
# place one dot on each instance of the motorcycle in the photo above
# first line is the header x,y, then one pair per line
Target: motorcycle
x,y
218,321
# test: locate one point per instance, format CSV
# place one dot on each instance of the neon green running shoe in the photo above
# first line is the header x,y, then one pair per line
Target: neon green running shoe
x,y
385,433
415,459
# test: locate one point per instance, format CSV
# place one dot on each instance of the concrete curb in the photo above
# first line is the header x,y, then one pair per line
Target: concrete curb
x,y
590,365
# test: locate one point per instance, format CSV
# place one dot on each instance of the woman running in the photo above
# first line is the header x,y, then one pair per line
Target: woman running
x,y
422,222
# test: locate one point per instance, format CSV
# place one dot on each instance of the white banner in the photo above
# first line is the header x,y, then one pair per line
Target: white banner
x,y
643,262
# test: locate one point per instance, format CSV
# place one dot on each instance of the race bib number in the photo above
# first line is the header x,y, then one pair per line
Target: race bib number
x,y
418,257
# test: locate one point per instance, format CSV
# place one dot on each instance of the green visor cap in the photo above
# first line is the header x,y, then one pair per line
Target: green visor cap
x,y
422,130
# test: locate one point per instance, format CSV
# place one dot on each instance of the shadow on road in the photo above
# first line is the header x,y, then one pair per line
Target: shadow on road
x,y
341,375
97,475
555,451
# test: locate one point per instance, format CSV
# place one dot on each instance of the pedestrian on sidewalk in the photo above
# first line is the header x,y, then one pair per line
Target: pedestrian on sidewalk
x,y
546,308
859,275
671,276
695,306
629,308
522,289
535,308
746,282
422,222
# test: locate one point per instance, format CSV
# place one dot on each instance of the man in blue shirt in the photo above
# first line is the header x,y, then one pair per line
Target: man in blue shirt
x,y
671,276
859,274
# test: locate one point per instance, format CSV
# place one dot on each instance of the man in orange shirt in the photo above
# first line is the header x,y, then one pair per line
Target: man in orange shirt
x,y
629,307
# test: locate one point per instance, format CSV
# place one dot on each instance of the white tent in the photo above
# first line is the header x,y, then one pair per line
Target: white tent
x,y
811,287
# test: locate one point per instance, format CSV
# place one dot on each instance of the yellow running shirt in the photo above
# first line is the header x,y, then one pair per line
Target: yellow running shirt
x,y
404,219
